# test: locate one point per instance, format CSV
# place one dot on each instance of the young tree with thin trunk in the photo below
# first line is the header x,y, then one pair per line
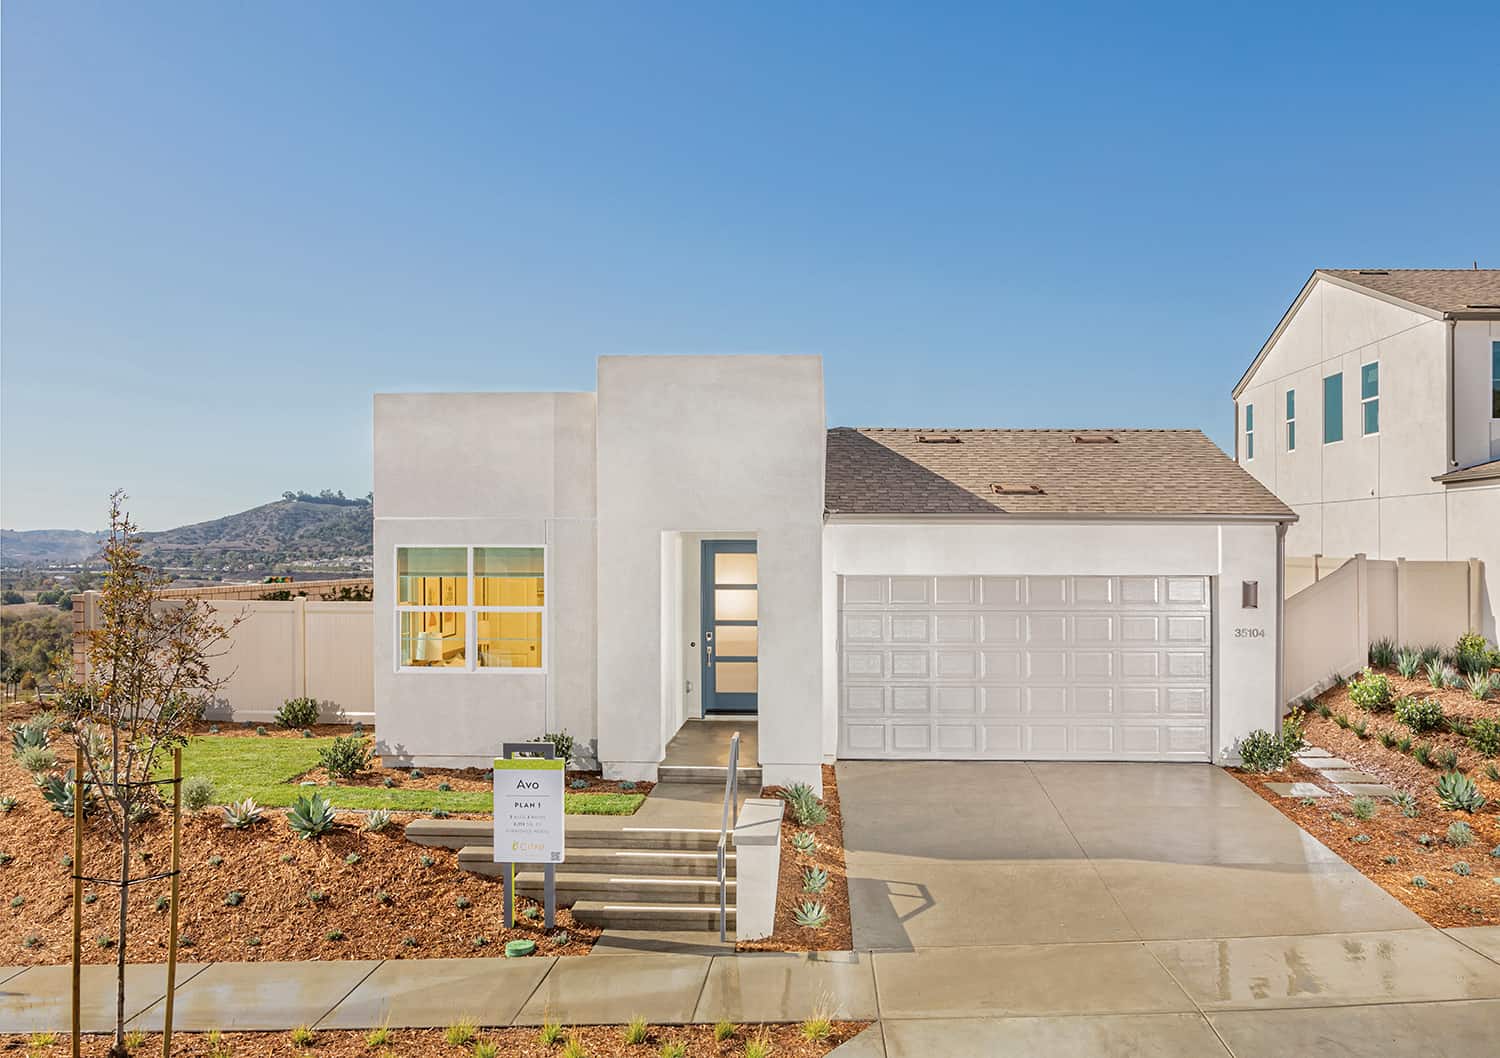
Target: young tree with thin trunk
x,y
147,678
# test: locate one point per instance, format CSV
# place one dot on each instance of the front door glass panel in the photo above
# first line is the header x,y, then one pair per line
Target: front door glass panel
x,y
731,626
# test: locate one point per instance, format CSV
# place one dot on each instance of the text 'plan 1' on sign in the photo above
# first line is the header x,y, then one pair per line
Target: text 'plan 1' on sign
x,y
529,810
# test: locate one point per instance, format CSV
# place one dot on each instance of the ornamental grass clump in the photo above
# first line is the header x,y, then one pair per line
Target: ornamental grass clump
x,y
1382,653
1460,835
1408,661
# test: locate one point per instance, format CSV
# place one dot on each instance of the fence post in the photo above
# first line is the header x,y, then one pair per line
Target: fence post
x,y
1403,597
299,644
1362,608
1476,591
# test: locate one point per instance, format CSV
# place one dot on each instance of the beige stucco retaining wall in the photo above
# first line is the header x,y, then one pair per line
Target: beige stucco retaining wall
x,y
1331,623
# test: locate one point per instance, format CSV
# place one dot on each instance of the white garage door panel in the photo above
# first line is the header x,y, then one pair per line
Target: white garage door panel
x,y
1041,668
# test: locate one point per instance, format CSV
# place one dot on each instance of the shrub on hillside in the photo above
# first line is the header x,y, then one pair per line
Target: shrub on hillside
x,y
1371,691
346,757
1420,714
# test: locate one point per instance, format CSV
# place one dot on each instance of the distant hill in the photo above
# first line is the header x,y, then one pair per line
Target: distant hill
x,y
41,547
299,529
295,530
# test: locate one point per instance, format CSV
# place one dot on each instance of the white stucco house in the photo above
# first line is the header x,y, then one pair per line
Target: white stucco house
x,y
1373,411
691,540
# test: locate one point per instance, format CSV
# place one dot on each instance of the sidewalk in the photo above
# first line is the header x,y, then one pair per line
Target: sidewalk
x,y
1397,992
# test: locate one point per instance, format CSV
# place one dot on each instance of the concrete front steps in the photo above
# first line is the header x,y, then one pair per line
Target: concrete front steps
x,y
639,878
708,773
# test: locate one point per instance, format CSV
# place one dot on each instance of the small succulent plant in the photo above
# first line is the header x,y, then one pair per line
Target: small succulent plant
x,y
425,860
1418,881
241,815
1406,803
814,879
334,934
418,773
1360,839
803,841
440,813
445,787
234,898
377,820
1390,861
463,903
352,858
811,914
627,785
216,860
7,802
384,898
1460,835
1363,807
389,783
1461,869
805,805
579,784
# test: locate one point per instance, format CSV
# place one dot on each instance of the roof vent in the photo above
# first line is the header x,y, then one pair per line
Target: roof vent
x,y
1016,490
1095,439
1482,306
937,439
1373,272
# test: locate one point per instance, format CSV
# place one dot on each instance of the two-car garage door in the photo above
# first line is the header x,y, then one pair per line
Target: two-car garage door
x,y
1025,667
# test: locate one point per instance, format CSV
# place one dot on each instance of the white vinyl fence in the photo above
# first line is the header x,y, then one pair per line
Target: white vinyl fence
x,y
280,650
1331,621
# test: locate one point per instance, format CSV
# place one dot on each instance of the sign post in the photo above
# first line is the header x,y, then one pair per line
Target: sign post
x,y
529,819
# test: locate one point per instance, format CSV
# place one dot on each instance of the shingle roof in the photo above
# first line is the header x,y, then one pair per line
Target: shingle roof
x,y
1481,472
1170,473
1457,290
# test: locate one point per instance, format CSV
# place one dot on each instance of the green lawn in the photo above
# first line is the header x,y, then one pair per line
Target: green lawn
x,y
266,769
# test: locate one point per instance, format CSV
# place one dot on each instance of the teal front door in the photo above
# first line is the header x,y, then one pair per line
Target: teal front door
x,y
731,627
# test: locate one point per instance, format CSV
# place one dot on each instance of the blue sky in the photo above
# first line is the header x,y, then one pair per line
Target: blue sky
x,y
226,225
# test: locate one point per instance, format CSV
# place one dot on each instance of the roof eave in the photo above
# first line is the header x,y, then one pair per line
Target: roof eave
x,y
938,517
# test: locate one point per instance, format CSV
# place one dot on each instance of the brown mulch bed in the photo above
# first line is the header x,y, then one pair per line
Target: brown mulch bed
x,y
597,1041
1448,899
838,934
274,870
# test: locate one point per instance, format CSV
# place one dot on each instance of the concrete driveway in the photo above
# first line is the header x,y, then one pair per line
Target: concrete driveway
x,y
1120,909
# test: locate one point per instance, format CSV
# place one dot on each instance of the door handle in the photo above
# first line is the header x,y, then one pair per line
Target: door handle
x,y
708,654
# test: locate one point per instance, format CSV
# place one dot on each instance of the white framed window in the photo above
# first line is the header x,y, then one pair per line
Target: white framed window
x,y
1369,397
1291,420
470,609
1249,431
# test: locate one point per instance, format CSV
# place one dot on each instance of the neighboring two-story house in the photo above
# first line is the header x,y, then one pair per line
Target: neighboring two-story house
x,y
1373,410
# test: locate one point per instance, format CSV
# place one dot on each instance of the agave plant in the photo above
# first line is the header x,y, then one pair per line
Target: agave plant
x,y
1406,802
1436,673
1481,685
806,808
241,815
310,817
377,820
28,735
814,879
1457,793
59,794
1408,662
803,841
811,914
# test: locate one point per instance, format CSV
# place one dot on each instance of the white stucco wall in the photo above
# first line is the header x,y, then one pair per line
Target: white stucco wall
x,y
487,470
732,445
1375,494
1244,666
1476,435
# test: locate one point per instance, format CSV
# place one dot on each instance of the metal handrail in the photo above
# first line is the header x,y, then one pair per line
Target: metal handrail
x,y
731,795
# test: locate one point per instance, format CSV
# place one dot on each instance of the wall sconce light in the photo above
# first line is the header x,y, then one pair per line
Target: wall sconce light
x,y
1250,594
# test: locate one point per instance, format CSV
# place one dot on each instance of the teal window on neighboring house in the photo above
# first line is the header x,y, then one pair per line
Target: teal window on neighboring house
x,y
1369,397
1495,380
1333,408
1291,420
1249,431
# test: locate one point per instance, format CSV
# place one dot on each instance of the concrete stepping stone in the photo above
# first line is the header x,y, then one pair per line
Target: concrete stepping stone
x,y
1367,789
1347,775
1312,751
1297,789
1322,763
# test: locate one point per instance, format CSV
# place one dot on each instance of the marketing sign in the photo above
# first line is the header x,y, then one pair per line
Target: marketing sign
x,y
529,810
